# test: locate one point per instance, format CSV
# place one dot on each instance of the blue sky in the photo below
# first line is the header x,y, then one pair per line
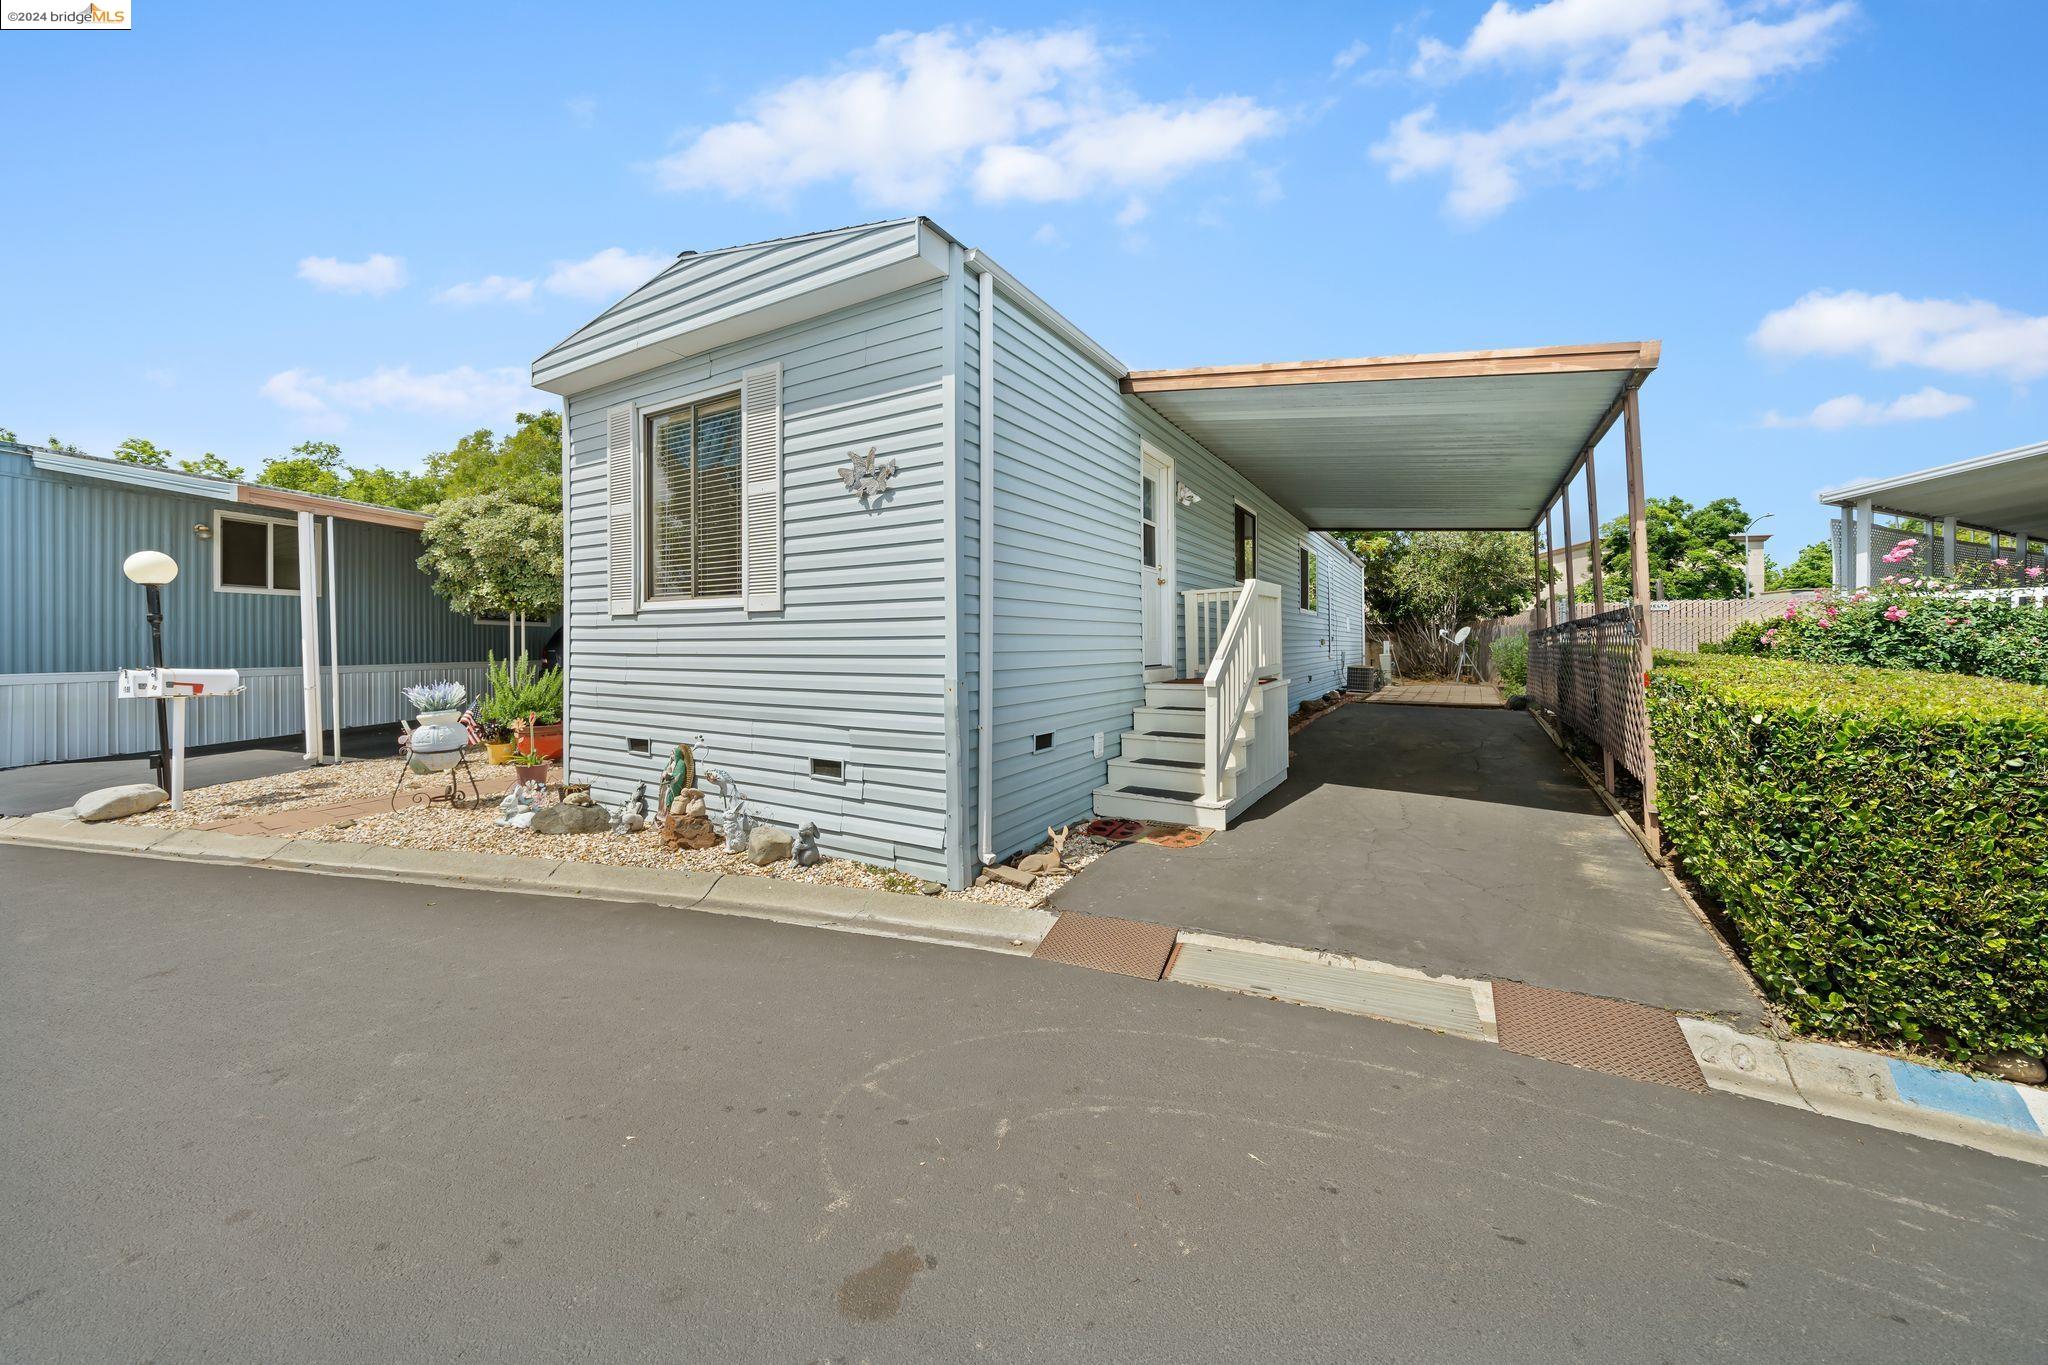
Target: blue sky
x,y
233,229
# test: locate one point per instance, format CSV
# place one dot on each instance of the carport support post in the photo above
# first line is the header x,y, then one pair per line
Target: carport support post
x,y
1550,566
1593,567
1639,594
1571,576
1948,547
1536,617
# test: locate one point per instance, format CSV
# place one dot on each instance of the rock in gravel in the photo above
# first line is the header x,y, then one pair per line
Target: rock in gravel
x,y
1008,876
2015,1066
929,889
112,803
570,820
767,844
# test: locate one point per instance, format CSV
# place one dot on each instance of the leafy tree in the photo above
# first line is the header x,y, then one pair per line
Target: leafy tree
x,y
1691,553
393,488
1418,583
526,463
491,554
1814,568
312,467
54,444
135,450
211,465
7,434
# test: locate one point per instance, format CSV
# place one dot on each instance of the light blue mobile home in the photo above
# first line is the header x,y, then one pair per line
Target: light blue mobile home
x,y
69,620
893,542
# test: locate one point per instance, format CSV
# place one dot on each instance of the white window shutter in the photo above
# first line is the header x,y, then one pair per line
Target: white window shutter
x,y
621,511
761,497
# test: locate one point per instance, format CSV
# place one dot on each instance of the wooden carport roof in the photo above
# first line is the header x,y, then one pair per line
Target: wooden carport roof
x,y
1454,440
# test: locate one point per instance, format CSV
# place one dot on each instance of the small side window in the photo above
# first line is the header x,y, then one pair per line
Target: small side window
x,y
258,554
1308,579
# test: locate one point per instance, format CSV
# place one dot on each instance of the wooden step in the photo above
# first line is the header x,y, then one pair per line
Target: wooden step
x,y
1151,803
1180,779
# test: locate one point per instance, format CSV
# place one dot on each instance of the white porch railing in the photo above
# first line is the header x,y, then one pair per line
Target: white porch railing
x,y
1246,650
1204,614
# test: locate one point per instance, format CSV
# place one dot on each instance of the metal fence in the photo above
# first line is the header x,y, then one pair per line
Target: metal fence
x,y
1587,676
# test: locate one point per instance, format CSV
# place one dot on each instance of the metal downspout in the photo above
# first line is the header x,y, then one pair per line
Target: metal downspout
x,y
985,721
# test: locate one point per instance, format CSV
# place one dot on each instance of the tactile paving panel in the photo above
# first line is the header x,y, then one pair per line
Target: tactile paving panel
x,y
1621,1039
1128,947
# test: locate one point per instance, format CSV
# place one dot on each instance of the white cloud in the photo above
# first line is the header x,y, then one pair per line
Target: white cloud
x,y
461,392
1624,71
377,274
1048,235
1133,212
1031,116
582,110
1350,57
607,275
489,289
1854,410
1958,336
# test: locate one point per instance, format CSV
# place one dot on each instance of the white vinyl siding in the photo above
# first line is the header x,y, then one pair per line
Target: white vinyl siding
x,y
852,668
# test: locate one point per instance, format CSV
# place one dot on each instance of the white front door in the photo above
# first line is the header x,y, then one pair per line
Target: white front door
x,y
1157,554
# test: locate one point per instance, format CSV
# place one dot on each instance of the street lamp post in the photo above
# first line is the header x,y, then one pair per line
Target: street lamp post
x,y
152,569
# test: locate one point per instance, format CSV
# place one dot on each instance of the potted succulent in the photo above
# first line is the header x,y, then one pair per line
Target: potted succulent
x,y
529,767
437,742
498,740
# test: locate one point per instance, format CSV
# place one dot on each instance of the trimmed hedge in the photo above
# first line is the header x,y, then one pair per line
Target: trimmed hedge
x,y
1879,837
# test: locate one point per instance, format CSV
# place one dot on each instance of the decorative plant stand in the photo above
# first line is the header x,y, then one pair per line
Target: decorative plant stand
x,y
458,773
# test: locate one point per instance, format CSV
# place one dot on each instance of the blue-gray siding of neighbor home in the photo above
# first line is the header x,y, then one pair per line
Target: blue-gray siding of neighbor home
x,y
69,620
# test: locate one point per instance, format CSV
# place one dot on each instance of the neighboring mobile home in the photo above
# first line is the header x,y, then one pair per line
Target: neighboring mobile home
x,y
728,581
69,620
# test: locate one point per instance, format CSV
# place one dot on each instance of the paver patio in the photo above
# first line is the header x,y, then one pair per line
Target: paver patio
x,y
1454,840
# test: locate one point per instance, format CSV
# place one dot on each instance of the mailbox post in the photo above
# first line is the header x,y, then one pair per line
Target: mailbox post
x,y
173,687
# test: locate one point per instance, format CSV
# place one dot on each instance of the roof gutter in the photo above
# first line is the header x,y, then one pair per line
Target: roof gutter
x,y
1045,315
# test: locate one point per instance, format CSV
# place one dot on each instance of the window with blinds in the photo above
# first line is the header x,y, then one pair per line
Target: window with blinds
x,y
693,501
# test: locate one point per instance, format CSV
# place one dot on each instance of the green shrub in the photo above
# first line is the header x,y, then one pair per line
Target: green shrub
x,y
1878,837
1894,628
1511,662
514,689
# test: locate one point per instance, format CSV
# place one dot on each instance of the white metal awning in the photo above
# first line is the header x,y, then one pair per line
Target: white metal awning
x,y
2005,491
1464,440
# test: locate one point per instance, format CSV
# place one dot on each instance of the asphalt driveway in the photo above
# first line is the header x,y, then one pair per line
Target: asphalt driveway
x,y
1454,840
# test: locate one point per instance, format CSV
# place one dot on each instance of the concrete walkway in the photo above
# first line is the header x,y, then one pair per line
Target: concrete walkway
x,y
1455,841
52,786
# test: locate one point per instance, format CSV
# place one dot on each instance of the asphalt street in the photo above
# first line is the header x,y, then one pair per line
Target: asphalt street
x,y
253,1115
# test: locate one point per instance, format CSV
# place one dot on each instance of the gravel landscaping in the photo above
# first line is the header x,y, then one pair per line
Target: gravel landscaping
x,y
437,827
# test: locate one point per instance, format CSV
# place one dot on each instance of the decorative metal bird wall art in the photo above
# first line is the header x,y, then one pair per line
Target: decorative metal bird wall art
x,y
863,476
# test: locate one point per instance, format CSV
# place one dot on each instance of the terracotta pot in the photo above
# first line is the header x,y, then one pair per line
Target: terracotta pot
x,y
545,740
536,772
499,752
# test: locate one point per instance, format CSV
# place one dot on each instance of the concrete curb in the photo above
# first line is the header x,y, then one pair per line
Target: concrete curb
x,y
1337,981
1838,1082
1872,1088
989,928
